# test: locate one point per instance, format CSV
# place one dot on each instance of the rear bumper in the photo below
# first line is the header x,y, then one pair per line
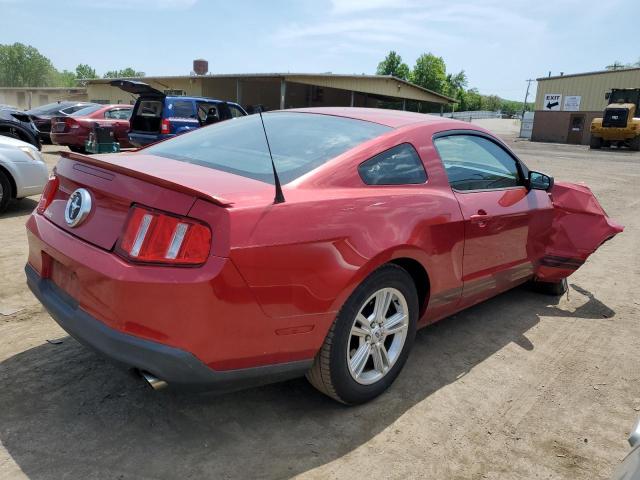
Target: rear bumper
x,y
141,139
173,365
614,133
68,139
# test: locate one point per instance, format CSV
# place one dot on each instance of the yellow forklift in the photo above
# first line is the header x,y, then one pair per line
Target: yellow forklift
x,y
619,125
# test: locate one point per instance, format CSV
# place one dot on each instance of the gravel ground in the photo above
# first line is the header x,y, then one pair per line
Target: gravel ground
x,y
519,387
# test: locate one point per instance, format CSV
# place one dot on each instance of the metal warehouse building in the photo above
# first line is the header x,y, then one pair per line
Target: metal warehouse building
x,y
287,90
566,105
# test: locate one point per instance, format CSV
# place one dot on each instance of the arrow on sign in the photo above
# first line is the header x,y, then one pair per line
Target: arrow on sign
x,y
551,105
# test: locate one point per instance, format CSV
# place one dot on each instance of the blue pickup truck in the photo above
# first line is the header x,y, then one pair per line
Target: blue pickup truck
x,y
157,116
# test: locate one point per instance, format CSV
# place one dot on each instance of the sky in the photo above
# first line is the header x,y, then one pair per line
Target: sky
x,y
499,44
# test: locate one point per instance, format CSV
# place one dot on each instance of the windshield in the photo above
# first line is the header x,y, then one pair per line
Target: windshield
x,y
86,111
299,142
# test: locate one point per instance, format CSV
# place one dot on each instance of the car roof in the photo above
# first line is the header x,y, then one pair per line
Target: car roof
x,y
208,99
390,118
56,106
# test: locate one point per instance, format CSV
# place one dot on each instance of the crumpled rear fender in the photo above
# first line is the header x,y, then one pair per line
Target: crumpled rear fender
x,y
579,226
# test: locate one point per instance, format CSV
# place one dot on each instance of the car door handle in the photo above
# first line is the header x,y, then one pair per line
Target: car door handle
x,y
480,218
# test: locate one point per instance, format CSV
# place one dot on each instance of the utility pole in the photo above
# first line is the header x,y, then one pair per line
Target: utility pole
x,y
526,95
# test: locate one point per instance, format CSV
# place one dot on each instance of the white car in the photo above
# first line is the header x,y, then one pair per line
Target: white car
x,y
22,170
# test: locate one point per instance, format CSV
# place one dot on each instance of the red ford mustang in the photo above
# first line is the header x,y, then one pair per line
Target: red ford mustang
x,y
180,261
73,130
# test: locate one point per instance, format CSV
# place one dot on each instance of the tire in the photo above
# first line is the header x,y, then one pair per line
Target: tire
x,y
331,373
595,143
77,149
5,192
556,289
634,143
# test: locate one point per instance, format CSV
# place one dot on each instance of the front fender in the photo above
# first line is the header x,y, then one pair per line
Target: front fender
x,y
579,226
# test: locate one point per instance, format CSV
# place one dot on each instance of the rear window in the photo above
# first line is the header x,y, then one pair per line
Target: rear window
x,y
299,142
86,111
149,108
73,109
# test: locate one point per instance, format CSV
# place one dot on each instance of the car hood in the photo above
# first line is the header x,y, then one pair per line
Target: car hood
x,y
13,142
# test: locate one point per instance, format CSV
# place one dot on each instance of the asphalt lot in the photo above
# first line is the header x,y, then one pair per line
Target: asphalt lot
x,y
522,386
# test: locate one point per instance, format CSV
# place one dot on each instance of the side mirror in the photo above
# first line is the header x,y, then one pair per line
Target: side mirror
x,y
539,181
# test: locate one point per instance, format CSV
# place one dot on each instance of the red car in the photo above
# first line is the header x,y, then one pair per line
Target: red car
x,y
73,130
192,263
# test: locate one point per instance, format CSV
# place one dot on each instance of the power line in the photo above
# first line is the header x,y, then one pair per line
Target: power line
x,y
526,95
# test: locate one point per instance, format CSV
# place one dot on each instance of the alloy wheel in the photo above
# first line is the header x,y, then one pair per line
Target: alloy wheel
x,y
377,336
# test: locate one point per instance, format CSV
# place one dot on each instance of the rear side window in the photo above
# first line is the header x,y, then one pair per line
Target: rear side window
x,y
118,113
399,165
476,163
182,109
300,142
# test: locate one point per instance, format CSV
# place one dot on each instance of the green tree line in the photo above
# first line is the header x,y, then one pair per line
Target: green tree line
x,y
24,66
430,72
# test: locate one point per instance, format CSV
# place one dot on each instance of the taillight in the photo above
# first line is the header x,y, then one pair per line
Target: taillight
x,y
151,236
49,192
165,126
71,123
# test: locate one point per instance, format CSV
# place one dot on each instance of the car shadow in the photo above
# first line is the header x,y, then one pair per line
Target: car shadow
x,y
19,208
64,412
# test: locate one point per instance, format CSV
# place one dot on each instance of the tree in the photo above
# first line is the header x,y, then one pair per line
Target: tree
x,y
430,72
65,78
492,103
456,82
24,66
616,66
85,72
125,73
473,100
393,65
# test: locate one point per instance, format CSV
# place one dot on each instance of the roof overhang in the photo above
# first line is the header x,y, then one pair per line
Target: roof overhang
x,y
383,85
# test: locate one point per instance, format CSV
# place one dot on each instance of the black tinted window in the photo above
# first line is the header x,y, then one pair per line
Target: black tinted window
x,y
399,165
182,109
476,163
299,142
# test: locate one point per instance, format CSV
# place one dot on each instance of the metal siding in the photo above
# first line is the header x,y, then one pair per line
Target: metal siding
x,y
591,87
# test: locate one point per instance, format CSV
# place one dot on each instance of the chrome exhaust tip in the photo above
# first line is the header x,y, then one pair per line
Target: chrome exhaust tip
x,y
154,382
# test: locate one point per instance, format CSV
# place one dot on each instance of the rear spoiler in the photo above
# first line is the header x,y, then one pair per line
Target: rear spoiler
x,y
161,182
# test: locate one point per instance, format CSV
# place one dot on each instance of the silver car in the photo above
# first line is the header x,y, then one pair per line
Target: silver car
x,y
22,171
629,469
